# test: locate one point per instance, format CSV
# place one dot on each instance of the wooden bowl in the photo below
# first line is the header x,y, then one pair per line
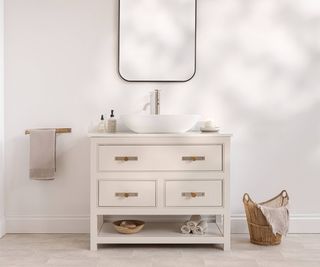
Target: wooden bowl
x,y
125,230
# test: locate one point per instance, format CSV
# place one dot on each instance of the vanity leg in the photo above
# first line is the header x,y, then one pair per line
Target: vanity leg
x,y
93,246
93,232
226,246
226,232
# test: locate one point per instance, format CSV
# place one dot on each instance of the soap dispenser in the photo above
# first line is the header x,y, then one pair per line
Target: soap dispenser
x,y
102,125
112,123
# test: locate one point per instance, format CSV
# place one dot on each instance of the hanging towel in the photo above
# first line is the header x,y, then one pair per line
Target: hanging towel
x,y
201,228
193,222
278,218
42,154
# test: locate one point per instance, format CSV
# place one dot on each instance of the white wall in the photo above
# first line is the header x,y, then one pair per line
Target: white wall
x,y
258,76
2,182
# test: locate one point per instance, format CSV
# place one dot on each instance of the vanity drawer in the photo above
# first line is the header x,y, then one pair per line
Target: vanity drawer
x,y
127,193
194,193
157,158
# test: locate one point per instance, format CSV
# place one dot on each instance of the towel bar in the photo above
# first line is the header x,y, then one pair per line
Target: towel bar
x,y
58,130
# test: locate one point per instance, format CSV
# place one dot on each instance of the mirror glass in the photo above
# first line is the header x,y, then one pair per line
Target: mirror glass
x,y
157,40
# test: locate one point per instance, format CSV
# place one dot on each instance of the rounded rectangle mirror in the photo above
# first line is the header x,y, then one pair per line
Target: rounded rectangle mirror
x,y
157,40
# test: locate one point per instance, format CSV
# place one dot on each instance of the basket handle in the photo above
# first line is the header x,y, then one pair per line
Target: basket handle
x,y
284,194
246,198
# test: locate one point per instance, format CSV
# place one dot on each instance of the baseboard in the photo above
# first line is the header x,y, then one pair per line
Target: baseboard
x,y
2,226
239,224
299,223
47,224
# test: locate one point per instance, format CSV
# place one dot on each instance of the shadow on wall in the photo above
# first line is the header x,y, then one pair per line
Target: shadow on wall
x,y
260,80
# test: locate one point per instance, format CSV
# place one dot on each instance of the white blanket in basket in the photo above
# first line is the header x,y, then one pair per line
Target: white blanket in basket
x,y
278,218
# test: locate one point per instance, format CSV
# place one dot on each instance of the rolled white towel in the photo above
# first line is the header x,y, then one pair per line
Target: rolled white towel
x,y
193,222
185,229
201,228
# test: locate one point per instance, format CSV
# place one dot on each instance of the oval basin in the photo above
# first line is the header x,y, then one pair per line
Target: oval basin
x,y
147,123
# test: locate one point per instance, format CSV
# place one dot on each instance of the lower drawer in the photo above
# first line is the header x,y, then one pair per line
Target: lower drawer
x,y
194,193
127,193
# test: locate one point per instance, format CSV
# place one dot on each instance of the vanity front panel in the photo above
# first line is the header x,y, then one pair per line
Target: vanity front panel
x,y
159,174
194,193
126,193
160,158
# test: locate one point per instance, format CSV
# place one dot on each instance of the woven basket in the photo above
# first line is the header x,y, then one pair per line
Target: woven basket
x,y
259,229
125,230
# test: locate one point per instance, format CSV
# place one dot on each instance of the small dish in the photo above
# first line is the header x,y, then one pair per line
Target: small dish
x,y
210,129
129,227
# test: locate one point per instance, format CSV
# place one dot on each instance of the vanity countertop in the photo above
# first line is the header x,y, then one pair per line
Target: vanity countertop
x,y
132,134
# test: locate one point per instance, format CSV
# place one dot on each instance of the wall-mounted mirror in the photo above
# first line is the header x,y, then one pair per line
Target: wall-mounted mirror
x,y
157,40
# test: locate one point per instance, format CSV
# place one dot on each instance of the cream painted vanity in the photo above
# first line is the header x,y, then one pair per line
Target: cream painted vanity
x,y
162,177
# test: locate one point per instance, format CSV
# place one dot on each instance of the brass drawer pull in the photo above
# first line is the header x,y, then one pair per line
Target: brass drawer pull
x,y
126,158
126,194
194,158
193,194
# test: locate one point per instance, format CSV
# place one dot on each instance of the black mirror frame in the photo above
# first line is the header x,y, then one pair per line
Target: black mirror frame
x,y
162,81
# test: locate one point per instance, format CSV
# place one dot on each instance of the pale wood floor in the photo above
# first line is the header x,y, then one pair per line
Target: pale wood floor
x,y
35,250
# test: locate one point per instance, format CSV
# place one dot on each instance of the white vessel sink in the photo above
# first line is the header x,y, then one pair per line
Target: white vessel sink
x,y
144,123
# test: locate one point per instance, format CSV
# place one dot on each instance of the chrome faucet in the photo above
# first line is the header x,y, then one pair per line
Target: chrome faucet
x,y
155,102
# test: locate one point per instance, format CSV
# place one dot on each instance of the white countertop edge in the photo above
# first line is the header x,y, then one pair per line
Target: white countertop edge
x,y
132,134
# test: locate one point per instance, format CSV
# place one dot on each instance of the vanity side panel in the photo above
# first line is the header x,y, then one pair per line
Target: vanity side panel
x,y
93,197
227,225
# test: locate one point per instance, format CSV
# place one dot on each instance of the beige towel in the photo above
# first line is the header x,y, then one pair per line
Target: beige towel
x,y
201,228
193,222
185,229
42,154
278,218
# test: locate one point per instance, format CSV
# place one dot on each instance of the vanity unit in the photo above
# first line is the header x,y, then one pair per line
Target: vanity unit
x,y
163,177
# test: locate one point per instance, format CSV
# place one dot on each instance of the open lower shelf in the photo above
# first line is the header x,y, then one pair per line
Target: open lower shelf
x,y
160,233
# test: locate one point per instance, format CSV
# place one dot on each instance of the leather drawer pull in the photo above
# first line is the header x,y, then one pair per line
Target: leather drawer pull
x,y
126,194
126,158
193,194
194,158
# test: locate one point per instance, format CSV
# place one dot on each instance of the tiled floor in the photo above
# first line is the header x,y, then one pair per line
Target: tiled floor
x,y
35,250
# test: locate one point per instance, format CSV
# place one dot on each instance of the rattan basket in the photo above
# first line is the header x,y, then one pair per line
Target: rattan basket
x,y
125,230
259,229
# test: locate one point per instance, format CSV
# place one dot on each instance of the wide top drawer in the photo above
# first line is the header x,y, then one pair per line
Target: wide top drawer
x,y
160,158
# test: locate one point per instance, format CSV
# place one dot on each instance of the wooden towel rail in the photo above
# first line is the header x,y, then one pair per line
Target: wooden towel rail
x,y
58,130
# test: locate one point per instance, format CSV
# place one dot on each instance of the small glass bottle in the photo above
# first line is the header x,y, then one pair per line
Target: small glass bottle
x,y
112,123
102,125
